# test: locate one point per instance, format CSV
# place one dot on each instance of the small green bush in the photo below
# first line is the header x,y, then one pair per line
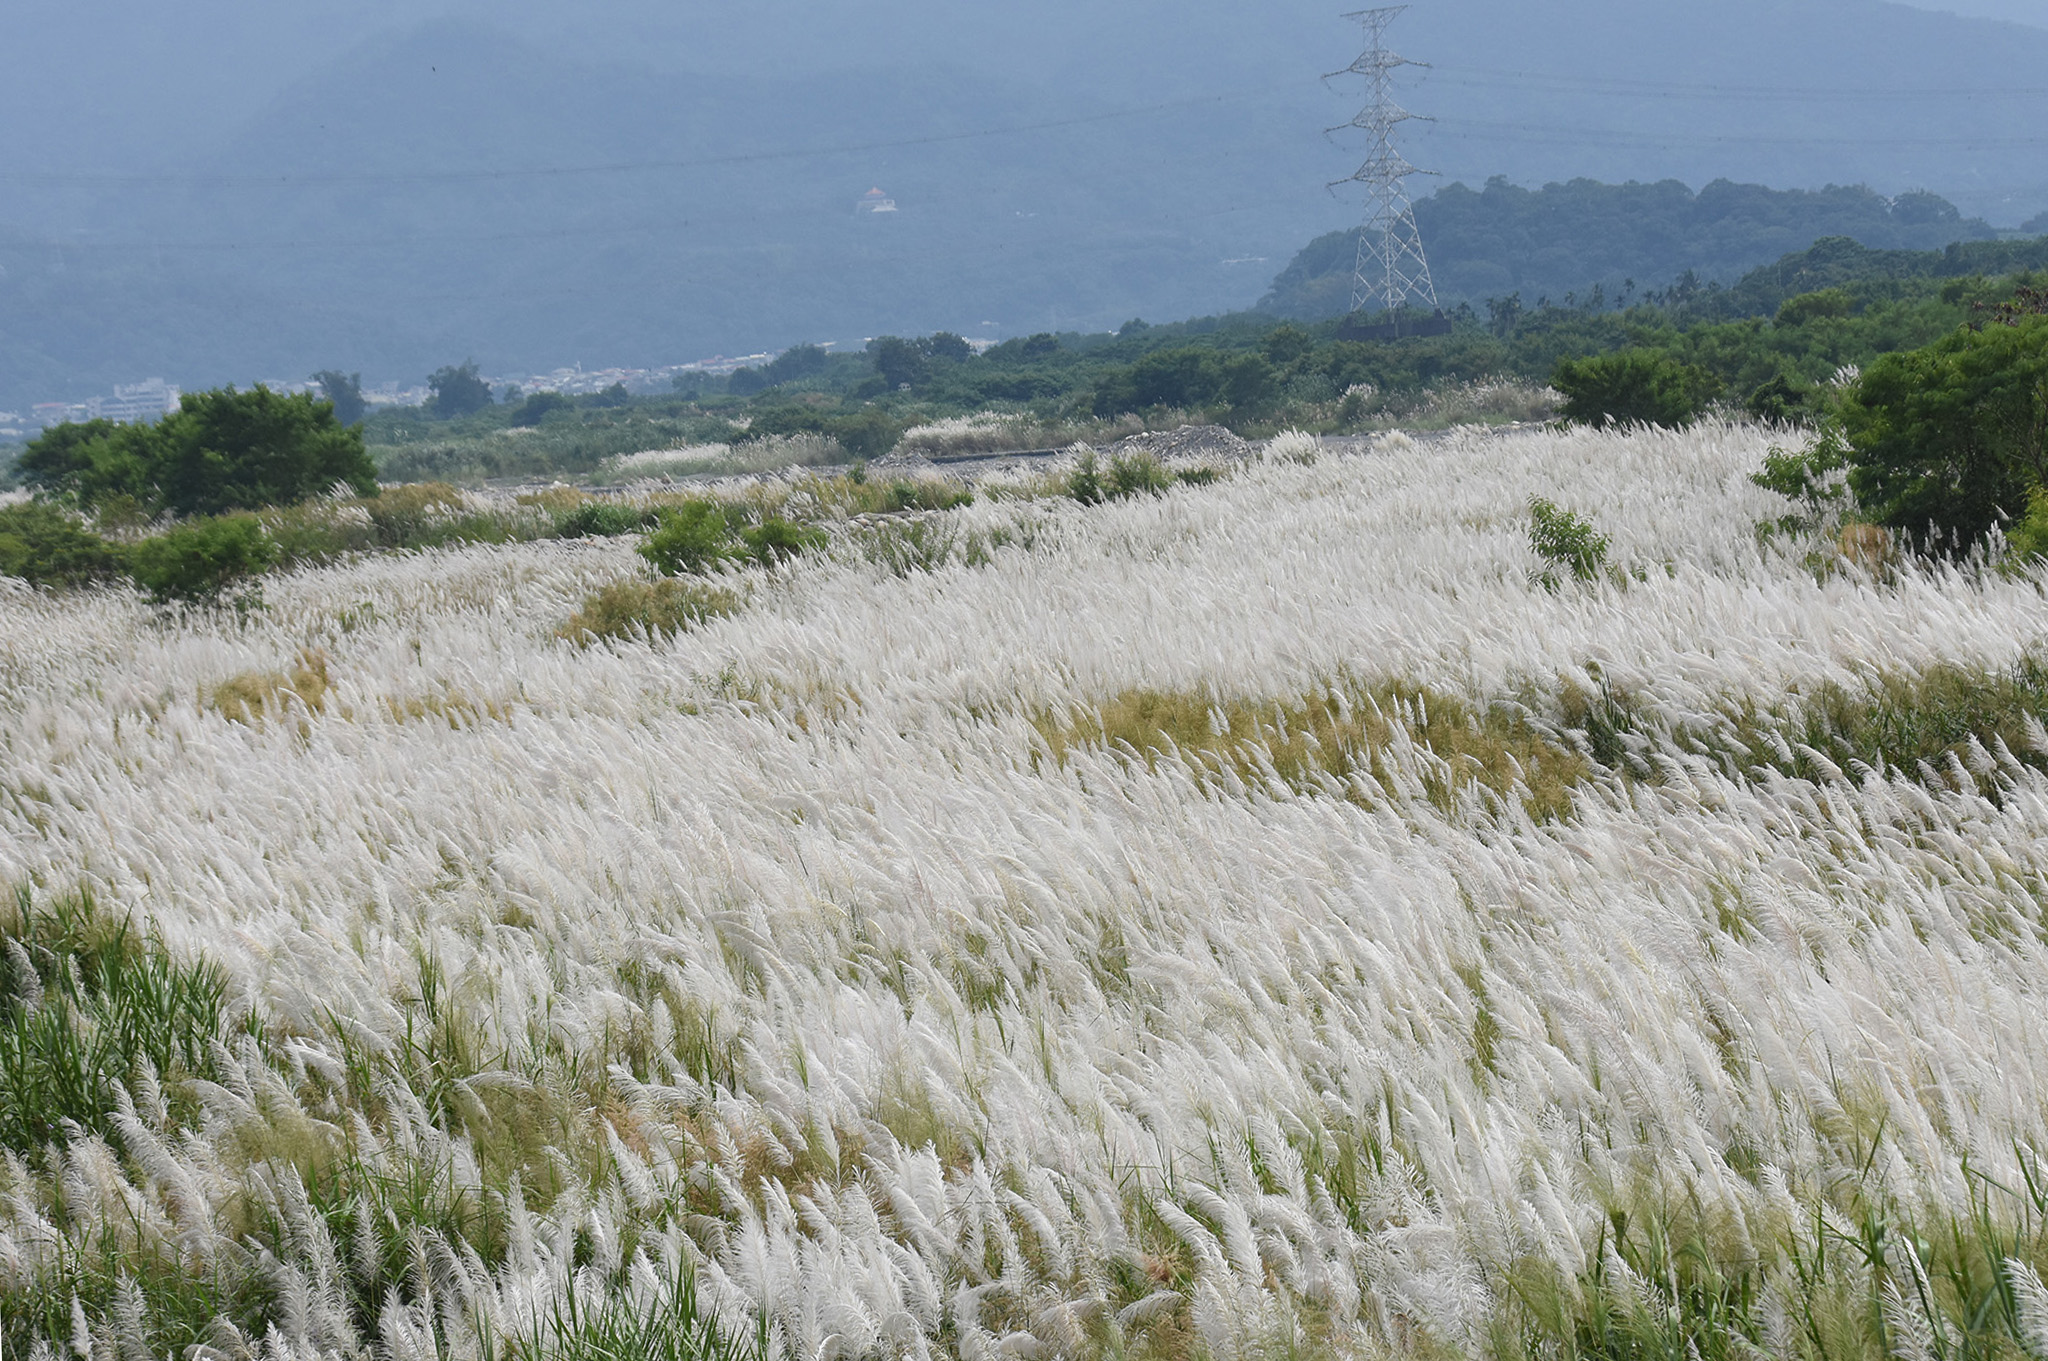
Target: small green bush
x,y
1084,484
1136,475
1565,539
699,536
47,547
1630,386
776,540
1812,477
202,560
901,497
602,520
694,537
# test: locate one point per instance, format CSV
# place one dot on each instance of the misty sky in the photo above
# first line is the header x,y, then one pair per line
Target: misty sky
x,y
128,83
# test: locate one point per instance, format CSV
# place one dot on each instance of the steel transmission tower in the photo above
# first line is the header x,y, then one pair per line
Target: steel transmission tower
x,y
1392,269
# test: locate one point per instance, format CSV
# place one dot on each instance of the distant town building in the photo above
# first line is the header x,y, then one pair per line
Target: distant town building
x,y
149,400
875,201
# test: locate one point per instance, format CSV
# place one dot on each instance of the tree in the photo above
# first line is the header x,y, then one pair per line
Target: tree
x,y
537,406
948,348
1951,438
796,364
221,450
1189,376
1633,385
345,391
458,391
901,363
87,463
227,450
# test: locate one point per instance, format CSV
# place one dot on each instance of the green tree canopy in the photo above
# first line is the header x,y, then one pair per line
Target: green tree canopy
x,y
221,450
1953,437
1633,385
1190,376
792,365
345,392
458,390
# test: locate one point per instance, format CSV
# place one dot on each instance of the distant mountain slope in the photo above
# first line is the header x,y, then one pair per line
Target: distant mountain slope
x,y
1567,238
454,188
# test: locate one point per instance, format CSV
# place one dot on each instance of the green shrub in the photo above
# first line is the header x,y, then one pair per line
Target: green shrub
x,y
2027,537
201,560
1811,477
1565,539
47,547
647,609
1630,386
1952,438
902,497
221,450
1084,484
1136,474
694,537
865,434
602,520
776,540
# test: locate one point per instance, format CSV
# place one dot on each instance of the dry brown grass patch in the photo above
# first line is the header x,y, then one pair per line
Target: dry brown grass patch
x,y
451,706
1866,546
647,609
1347,732
255,695
553,500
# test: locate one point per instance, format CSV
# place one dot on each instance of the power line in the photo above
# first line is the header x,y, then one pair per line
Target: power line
x,y
290,179
1624,87
1474,129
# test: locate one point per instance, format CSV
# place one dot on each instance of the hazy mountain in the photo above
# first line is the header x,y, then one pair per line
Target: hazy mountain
x,y
1560,242
632,182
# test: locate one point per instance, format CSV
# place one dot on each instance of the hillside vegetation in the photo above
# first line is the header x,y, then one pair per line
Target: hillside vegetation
x,y
1562,241
1765,344
1319,912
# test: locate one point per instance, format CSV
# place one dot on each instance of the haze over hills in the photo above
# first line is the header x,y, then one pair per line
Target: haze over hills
x,y
648,183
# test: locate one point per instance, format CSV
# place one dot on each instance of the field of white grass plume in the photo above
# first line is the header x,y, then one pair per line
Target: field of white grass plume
x,y
1261,919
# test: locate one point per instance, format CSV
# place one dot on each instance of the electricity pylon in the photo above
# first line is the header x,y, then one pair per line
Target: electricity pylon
x,y
1391,269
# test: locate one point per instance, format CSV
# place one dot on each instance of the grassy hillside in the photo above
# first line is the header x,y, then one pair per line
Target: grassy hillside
x,y
1263,918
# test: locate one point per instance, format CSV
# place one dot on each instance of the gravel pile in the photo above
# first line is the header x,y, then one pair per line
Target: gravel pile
x,y
902,462
1189,444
